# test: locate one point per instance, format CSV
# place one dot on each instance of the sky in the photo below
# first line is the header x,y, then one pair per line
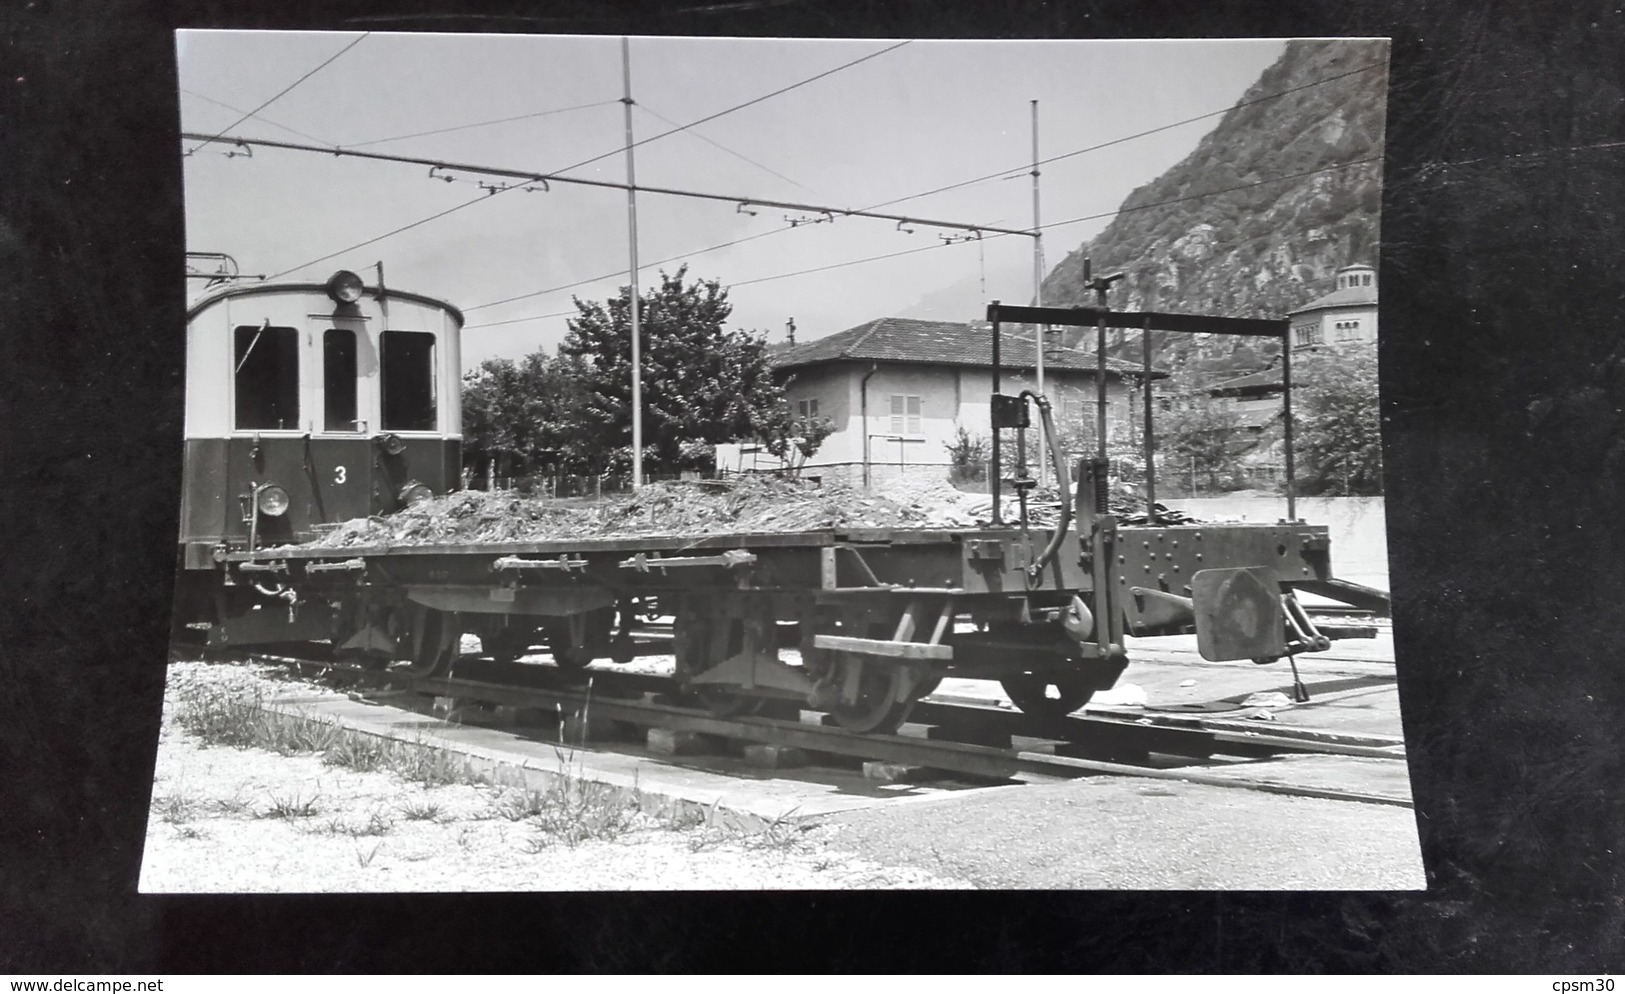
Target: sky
x,y
909,118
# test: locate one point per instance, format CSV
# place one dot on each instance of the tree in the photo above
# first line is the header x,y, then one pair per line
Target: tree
x,y
514,414
1339,437
968,455
1198,435
701,384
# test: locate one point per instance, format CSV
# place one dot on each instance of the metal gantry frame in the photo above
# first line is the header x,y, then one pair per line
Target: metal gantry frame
x,y
1146,322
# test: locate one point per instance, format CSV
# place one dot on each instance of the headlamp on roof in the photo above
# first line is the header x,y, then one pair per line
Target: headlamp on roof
x,y
344,287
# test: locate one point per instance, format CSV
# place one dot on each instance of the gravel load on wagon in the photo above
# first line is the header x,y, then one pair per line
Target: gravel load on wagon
x,y
744,505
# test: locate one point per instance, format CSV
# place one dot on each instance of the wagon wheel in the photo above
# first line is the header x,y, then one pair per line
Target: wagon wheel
x,y
875,708
566,654
505,645
434,641
1050,695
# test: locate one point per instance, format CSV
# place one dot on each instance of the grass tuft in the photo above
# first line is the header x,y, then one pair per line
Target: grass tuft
x,y
413,809
176,809
572,809
292,806
225,716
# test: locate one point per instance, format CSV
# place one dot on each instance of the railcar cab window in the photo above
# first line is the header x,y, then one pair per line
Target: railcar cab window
x,y
266,364
339,380
408,385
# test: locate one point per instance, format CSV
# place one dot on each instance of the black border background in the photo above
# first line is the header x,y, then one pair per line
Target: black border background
x,y
1501,309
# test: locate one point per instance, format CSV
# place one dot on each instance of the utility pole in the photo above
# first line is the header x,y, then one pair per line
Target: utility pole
x,y
1038,301
632,245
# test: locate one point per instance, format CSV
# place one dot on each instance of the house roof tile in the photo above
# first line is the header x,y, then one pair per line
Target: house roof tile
x,y
940,343
1350,296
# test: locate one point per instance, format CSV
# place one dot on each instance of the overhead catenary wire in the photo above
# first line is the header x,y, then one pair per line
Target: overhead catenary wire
x,y
280,93
643,106
246,116
1214,193
1022,169
739,283
684,127
893,255
530,176
1001,174
737,107
481,124
866,212
378,238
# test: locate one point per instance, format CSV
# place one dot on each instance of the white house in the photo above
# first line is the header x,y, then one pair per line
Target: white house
x,y
898,390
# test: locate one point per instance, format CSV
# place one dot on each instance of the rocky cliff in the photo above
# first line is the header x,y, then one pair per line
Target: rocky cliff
x,y
1257,219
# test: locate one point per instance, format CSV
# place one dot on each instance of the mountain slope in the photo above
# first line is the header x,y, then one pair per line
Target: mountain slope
x,y
1256,220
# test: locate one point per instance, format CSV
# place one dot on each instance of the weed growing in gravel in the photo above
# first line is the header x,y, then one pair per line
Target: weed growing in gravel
x,y
293,735
220,715
366,861
291,806
176,809
782,835
190,832
233,805
354,751
433,766
517,805
377,823
228,716
416,810
573,809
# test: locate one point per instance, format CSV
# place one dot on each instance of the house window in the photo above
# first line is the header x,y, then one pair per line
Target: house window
x,y
1308,334
266,365
408,381
807,408
905,415
339,380
1366,279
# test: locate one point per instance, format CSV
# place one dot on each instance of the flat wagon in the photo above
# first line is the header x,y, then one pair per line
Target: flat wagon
x,y
859,622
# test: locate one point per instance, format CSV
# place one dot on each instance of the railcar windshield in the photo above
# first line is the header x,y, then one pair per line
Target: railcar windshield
x,y
339,379
408,381
266,363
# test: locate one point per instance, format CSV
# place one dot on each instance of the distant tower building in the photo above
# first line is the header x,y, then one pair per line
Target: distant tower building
x,y
1346,316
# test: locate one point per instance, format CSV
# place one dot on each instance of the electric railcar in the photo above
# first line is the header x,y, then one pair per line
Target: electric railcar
x,y
308,404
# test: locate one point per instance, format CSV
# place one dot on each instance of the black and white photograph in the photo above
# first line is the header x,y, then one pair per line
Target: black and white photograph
x,y
729,464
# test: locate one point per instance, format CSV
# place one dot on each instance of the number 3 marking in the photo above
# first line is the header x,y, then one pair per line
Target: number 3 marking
x,y
338,475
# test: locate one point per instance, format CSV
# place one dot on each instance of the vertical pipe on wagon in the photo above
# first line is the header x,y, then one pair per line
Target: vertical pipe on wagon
x,y
1150,437
1286,416
993,417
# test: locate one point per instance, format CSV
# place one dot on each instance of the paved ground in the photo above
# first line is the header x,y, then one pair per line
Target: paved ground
x,y
1126,834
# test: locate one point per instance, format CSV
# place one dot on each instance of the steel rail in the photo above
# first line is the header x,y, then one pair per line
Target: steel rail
x,y
948,755
935,753
1169,734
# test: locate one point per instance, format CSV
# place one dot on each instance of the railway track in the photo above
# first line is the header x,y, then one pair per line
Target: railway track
x,y
980,741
